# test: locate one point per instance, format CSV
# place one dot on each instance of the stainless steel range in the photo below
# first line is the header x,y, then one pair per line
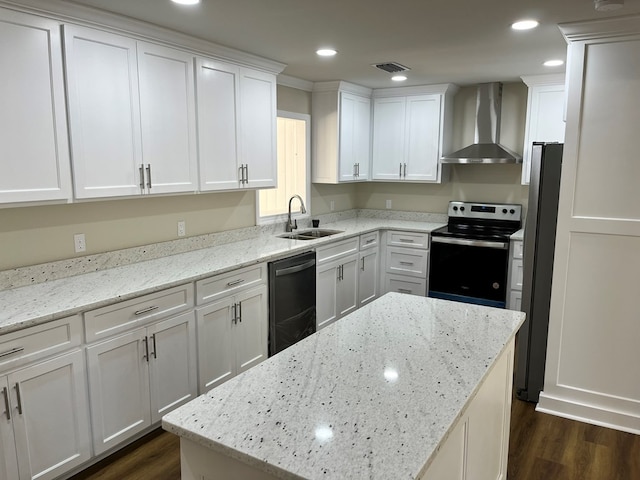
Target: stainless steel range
x,y
470,255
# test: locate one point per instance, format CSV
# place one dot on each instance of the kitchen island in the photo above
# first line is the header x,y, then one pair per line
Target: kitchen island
x,y
406,387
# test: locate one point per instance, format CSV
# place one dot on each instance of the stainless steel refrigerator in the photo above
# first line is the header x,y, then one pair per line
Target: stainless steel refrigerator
x,y
539,246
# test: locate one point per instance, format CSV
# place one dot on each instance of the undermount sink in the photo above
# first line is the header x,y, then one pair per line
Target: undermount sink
x,y
310,234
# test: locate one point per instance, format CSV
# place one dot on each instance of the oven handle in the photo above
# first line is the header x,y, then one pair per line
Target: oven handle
x,y
471,243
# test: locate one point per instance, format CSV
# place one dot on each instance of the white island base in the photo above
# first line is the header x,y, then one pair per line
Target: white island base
x,y
443,412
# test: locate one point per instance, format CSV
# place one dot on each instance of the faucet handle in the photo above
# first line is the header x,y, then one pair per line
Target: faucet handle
x,y
295,224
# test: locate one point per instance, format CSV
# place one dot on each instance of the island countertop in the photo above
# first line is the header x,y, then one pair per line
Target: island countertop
x,y
373,395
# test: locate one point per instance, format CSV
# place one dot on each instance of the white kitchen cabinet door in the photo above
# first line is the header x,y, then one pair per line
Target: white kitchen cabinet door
x,y
51,418
172,364
251,334
118,388
422,138
104,113
34,149
368,273
257,128
347,296
217,92
168,119
355,135
8,459
388,138
216,355
326,293
545,115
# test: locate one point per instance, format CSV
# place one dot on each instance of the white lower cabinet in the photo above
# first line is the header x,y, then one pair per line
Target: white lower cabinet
x,y
232,336
44,426
516,274
406,262
139,376
336,287
368,276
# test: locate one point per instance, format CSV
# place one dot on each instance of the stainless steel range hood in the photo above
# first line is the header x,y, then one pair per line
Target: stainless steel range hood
x,y
486,148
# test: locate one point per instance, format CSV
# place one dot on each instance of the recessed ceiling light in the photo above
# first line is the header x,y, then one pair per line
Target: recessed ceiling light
x,y
525,25
553,63
326,52
399,78
186,2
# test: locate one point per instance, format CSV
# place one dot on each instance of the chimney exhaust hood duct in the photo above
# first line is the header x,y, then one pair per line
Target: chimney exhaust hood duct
x,y
486,148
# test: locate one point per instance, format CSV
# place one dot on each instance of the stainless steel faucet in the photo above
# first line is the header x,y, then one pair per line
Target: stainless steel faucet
x,y
291,226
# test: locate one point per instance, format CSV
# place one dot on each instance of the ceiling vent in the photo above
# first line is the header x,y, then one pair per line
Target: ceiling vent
x,y
391,67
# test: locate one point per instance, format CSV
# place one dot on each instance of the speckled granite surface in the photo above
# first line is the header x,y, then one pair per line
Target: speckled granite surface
x,y
369,397
41,302
519,235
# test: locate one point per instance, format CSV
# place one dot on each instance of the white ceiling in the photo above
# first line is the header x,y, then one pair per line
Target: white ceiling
x,y
459,41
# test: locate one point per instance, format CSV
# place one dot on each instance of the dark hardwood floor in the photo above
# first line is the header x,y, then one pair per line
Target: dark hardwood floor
x,y
542,447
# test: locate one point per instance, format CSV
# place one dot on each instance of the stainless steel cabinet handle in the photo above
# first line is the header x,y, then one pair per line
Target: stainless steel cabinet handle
x,y
406,263
145,356
11,352
400,174
362,267
406,240
155,349
246,170
146,310
141,177
240,312
19,398
235,282
148,175
234,317
403,290
355,171
6,403
405,170
371,240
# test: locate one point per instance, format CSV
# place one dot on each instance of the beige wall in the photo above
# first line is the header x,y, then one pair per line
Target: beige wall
x,y
32,235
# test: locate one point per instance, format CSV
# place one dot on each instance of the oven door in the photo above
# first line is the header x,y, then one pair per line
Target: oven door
x,y
467,270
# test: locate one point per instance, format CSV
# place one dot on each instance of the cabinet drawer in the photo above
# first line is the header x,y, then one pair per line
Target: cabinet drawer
x,y
518,248
34,343
212,289
106,321
408,239
516,274
368,240
404,284
337,249
407,261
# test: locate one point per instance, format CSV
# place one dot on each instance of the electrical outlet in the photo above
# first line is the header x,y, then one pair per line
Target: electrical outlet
x,y
332,205
79,242
182,228
388,204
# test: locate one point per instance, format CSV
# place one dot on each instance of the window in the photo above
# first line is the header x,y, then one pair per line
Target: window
x,y
293,170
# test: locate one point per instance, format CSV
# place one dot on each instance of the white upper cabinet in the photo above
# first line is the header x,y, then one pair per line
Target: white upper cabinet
x,y
411,129
104,113
168,118
341,132
258,128
132,115
236,126
545,115
34,152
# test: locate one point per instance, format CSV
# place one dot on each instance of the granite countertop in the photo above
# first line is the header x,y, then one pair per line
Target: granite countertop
x,y
370,396
519,235
42,302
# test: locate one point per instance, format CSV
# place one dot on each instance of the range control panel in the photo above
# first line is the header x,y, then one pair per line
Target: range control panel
x,y
490,211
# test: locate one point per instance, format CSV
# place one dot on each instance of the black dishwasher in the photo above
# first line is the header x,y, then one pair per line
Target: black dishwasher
x,y
292,300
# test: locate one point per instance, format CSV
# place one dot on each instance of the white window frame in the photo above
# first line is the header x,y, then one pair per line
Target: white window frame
x,y
282,218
